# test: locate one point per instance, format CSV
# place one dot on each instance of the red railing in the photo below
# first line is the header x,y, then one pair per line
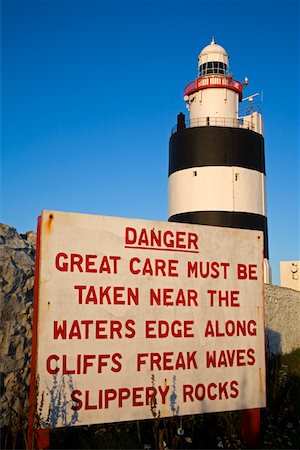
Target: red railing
x,y
212,81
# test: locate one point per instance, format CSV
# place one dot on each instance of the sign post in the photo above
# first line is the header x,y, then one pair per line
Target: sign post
x,y
134,312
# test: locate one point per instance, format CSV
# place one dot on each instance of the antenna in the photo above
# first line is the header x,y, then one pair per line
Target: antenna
x,y
250,98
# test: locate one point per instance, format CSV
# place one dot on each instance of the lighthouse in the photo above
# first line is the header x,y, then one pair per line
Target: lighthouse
x,y
217,173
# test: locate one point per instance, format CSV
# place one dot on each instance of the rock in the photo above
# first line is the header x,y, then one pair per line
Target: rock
x,y
17,255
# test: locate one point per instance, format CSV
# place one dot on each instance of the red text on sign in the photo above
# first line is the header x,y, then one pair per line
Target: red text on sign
x,y
167,361
152,238
230,328
223,298
107,295
247,272
156,267
86,263
136,396
95,329
173,297
82,363
164,329
200,269
230,358
212,391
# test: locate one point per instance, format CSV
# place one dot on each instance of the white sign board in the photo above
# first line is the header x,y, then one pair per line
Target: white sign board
x,y
138,318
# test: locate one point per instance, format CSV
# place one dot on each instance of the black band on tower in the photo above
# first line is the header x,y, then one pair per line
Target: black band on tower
x,y
227,219
216,146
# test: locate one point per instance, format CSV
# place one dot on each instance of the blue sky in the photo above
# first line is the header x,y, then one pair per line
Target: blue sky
x,y
91,89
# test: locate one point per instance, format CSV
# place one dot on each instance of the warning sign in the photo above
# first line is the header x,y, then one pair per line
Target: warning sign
x,y
138,318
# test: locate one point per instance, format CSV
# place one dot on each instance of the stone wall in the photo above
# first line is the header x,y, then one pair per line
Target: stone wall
x,y
17,253
282,319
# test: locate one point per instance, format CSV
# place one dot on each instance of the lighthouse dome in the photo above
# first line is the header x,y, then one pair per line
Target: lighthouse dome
x,y
213,59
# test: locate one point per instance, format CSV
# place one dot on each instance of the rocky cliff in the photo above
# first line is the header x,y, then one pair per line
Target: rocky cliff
x,y
17,255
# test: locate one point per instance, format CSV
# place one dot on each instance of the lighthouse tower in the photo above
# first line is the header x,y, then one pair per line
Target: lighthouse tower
x,y
216,158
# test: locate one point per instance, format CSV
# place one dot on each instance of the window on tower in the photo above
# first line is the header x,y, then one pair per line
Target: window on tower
x,y
212,67
202,68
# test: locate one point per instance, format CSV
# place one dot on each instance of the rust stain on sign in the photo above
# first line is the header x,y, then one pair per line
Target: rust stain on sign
x,y
258,312
261,384
49,223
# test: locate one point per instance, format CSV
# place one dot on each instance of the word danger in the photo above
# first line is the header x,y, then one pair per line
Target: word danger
x,y
170,240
